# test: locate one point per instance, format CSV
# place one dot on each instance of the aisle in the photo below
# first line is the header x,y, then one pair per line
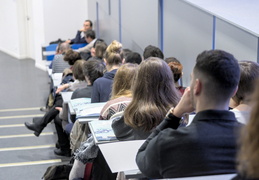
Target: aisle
x,y
23,155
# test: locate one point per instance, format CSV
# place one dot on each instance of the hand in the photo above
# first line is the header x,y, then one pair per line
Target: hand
x,y
185,104
61,88
82,29
68,41
58,108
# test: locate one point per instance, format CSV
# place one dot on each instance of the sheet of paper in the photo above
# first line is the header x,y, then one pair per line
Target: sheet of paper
x,y
121,155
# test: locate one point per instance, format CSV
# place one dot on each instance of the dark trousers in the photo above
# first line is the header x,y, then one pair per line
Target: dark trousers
x,y
63,137
51,114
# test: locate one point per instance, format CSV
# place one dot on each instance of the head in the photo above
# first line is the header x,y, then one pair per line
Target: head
x,y
123,80
125,54
89,36
133,57
78,70
249,72
94,46
87,25
153,94
152,51
176,67
100,49
62,48
113,55
71,57
214,79
93,69
248,155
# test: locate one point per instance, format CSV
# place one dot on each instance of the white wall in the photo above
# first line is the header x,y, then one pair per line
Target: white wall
x,y
27,24
9,32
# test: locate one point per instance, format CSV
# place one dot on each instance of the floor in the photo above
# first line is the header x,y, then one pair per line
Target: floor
x,y
24,89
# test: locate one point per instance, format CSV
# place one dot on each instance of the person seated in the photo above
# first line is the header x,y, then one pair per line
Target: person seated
x,y
177,69
247,159
121,91
153,94
80,36
38,125
152,51
98,50
58,64
92,70
240,102
208,145
133,57
103,86
90,39
121,96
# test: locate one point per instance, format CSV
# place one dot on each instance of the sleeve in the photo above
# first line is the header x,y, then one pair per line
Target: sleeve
x,y
122,131
148,156
77,38
95,97
86,49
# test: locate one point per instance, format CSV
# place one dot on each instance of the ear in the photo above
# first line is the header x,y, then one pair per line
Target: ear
x,y
235,91
197,87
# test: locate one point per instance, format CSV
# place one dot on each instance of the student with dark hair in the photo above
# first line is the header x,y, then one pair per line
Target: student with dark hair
x,y
92,70
102,87
153,94
90,39
208,145
71,57
241,101
80,38
152,51
133,57
177,69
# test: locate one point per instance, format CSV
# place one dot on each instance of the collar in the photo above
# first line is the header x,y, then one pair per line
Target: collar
x,y
215,115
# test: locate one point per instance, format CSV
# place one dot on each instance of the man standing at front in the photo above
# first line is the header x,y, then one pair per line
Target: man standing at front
x,y
208,145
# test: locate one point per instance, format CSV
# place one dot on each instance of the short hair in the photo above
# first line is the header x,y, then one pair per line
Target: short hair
x,y
176,67
90,22
220,73
93,69
152,51
77,70
249,72
63,47
71,56
153,94
133,57
126,52
90,33
123,80
100,49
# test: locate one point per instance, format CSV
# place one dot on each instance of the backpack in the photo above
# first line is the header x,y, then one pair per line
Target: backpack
x,y
57,172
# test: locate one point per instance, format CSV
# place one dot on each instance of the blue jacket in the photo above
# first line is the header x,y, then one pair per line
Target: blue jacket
x,y
102,87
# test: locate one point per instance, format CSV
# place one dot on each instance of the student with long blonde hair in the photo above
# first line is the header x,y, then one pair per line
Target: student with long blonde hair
x,y
121,91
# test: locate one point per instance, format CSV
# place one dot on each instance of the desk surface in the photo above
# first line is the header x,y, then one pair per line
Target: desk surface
x,y
66,96
241,13
56,77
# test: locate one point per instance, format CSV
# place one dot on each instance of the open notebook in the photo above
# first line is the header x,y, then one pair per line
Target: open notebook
x,y
102,131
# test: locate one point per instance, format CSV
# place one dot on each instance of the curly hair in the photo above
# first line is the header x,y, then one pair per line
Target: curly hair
x,y
71,57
